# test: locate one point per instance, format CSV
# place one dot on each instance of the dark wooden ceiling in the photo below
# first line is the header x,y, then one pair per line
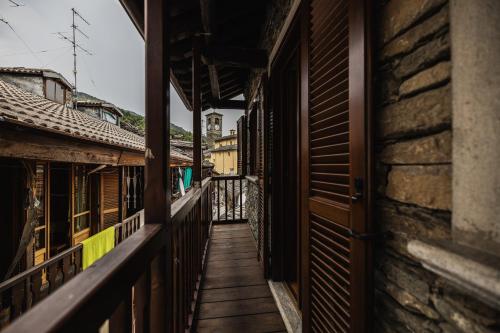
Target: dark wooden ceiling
x,y
229,30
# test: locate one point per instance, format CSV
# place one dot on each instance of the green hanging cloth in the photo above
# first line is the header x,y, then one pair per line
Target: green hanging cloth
x,y
188,174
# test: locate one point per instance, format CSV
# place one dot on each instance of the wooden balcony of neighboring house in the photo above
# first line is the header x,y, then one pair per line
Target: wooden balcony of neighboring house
x,y
21,292
288,243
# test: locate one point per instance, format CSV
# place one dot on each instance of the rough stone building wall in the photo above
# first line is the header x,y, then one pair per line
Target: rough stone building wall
x,y
251,204
413,116
276,15
29,83
413,171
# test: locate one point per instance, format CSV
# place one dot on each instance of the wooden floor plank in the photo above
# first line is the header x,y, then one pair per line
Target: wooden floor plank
x,y
266,322
232,249
231,294
233,256
229,235
237,308
232,281
234,263
230,226
228,271
234,296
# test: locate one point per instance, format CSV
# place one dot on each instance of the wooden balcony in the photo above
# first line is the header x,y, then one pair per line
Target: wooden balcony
x,y
218,282
113,292
23,291
235,297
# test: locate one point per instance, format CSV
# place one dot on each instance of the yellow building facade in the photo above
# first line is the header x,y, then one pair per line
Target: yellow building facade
x,y
224,155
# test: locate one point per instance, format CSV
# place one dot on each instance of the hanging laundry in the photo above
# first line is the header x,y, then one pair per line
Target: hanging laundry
x,y
97,246
188,175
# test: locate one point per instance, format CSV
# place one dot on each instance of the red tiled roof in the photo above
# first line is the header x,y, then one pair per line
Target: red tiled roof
x,y
21,107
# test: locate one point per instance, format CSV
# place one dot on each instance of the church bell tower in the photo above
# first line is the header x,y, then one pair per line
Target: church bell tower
x,y
214,127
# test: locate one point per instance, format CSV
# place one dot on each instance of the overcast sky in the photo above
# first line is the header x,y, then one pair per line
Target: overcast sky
x,y
115,71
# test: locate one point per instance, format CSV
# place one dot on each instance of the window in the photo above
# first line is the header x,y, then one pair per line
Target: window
x,y
40,226
81,217
110,117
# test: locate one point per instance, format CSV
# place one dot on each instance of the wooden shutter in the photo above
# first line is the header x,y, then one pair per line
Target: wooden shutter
x,y
242,145
260,174
337,149
110,197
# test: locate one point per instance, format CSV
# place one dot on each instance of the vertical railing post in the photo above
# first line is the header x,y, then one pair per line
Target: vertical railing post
x,y
157,173
196,72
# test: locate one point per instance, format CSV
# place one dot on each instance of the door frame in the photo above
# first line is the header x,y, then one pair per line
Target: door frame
x,y
290,46
361,134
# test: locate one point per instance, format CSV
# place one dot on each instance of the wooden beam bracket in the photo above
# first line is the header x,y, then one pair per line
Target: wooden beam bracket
x,y
235,57
229,104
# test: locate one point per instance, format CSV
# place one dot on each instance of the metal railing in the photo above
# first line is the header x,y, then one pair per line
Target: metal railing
x,y
229,197
122,290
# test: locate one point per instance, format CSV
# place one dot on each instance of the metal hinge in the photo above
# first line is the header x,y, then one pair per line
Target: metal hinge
x,y
367,236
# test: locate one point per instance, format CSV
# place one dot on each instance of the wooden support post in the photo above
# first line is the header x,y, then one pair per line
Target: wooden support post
x,y
197,153
157,194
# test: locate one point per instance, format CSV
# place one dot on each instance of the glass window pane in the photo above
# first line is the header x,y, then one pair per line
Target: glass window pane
x,y
110,117
81,223
40,239
40,194
82,198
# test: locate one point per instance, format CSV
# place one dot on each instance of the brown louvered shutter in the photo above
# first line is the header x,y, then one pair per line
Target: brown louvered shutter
x,y
110,197
260,174
339,266
242,145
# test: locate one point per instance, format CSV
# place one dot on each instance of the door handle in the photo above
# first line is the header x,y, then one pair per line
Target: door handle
x,y
356,197
358,188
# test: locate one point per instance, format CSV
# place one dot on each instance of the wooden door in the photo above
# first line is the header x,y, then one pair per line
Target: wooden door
x,y
336,173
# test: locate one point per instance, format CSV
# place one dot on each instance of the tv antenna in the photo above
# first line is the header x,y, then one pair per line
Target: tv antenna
x,y
72,40
15,4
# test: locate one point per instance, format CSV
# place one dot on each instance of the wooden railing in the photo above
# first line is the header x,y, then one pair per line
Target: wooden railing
x,y
115,292
229,197
130,225
191,223
23,291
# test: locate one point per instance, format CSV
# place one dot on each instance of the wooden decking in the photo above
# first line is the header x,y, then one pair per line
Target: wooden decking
x,y
235,297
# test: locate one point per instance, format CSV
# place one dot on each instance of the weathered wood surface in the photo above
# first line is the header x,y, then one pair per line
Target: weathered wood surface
x,y
235,297
37,146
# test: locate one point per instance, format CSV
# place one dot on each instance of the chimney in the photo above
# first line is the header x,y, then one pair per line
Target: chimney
x,y
232,132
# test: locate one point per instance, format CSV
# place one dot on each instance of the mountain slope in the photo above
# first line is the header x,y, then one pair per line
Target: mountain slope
x,y
137,120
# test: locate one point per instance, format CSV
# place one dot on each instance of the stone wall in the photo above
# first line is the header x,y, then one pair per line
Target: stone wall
x,y
413,171
251,207
276,15
33,84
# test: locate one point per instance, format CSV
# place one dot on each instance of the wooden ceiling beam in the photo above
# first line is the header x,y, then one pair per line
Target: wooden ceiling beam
x,y
229,104
235,57
207,10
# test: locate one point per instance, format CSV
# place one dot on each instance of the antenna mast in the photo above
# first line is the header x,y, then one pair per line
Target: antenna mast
x,y
75,46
